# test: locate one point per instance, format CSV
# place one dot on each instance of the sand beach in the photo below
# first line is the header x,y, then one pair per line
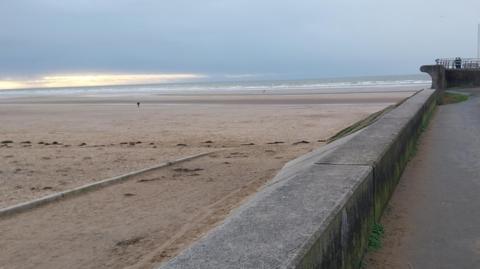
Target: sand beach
x,y
55,143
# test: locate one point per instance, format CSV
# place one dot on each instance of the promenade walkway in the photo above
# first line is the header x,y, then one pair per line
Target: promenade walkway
x,y
433,219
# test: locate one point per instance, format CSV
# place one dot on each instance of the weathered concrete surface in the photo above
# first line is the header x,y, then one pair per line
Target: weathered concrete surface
x,y
318,211
304,208
437,73
462,78
287,218
434,220
386,145
448,78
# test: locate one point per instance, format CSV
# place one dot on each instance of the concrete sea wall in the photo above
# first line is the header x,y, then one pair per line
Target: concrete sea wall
x,y
319,210
449,78
462,78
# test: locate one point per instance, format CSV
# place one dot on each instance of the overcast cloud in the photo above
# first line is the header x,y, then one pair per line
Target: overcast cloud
x,y
288,39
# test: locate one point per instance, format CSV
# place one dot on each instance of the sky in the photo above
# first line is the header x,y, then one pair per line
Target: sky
x,y
87,42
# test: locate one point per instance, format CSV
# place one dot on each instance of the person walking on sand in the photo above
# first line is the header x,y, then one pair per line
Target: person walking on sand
x,y
138,104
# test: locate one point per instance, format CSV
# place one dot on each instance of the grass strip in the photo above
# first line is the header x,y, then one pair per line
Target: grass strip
x,y
447,98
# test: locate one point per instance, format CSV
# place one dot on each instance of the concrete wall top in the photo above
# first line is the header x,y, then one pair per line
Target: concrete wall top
x,y
302,205
368,146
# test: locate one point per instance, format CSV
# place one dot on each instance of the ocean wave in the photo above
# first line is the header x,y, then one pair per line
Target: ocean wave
x,y
351,85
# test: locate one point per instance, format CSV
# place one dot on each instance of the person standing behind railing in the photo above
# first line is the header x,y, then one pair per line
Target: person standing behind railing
x,y
458,63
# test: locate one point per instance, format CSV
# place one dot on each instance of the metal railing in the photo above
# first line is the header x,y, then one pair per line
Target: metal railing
x,y
459,63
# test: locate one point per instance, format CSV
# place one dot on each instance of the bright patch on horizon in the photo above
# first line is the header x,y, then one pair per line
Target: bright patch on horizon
x,y
54,81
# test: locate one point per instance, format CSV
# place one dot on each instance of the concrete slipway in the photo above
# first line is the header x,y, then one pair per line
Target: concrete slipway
x,y
318,211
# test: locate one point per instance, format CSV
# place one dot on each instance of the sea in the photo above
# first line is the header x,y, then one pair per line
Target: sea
x,y
324,85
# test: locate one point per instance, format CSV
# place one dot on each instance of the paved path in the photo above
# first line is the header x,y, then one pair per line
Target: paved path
x,y
433,220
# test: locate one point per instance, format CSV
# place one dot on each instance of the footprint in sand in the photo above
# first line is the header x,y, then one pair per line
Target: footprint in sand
x,y
301,142
63,170
187,170
150,179
238,155
275,142
191,172
128,242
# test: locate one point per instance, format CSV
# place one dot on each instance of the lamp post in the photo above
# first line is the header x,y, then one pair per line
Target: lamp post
x,y
478,42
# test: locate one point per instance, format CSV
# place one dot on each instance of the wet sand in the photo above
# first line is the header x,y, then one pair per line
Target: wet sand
x,y
151,217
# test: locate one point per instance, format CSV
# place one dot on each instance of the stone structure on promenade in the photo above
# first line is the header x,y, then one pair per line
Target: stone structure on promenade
x,y
451,73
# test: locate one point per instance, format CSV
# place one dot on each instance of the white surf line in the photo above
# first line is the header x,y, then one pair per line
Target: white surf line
x,y
89,187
